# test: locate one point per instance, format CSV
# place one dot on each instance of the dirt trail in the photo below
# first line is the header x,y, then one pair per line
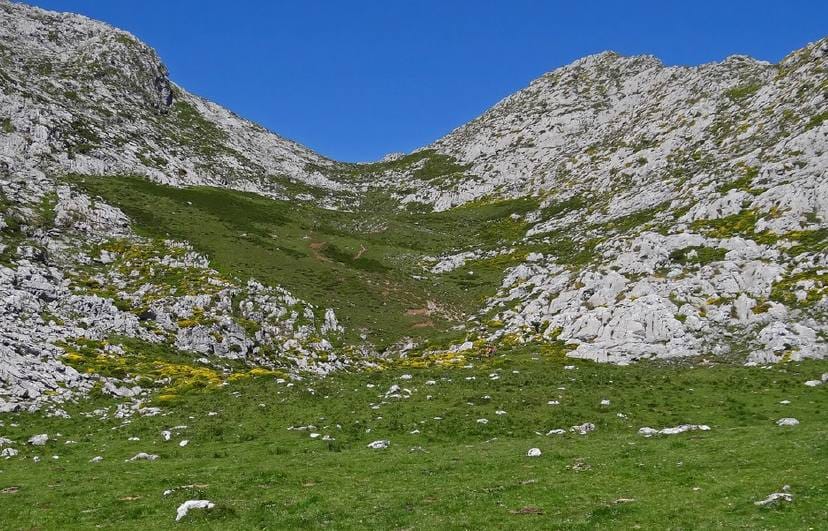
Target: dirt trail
x,y
361,251
315,247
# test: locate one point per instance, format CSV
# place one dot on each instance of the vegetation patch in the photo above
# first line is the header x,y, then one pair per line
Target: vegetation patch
x,y
426,164
698,255
808,241
742,92
802,289
816,120
742,224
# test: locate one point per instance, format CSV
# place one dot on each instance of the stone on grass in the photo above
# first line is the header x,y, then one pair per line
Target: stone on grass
x,y
38,440
8,453
380,444
649,432
787,421
143,456
185,507
583,429
533,452
96,459
776,497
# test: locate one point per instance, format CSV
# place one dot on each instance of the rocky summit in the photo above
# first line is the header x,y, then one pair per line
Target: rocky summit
x,y
153,244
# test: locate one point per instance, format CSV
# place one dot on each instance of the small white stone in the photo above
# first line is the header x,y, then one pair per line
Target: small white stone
x,y
533,452
38,440
583,429
8,453
143,456
185,507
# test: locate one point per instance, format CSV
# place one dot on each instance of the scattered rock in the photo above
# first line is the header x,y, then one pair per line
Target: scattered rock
x,y
39,440
583,429
649,432
143,456
188,505
380,444
579,465
776,497
533,452
787,421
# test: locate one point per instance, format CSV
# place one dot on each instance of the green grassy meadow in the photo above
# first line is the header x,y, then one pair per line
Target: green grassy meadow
x,y
443,468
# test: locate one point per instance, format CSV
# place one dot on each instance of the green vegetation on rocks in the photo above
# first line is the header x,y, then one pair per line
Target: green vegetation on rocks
x,y
370,265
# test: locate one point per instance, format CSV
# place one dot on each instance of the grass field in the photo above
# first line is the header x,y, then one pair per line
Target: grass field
x,y
456,473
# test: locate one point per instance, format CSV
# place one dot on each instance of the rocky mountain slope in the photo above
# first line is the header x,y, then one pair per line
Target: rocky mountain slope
x,y
615,210
80,96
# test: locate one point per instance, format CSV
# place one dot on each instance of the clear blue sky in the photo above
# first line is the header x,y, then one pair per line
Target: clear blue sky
x,y
357,79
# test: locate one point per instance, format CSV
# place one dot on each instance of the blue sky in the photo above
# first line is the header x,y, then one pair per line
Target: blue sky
x,y
354,80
